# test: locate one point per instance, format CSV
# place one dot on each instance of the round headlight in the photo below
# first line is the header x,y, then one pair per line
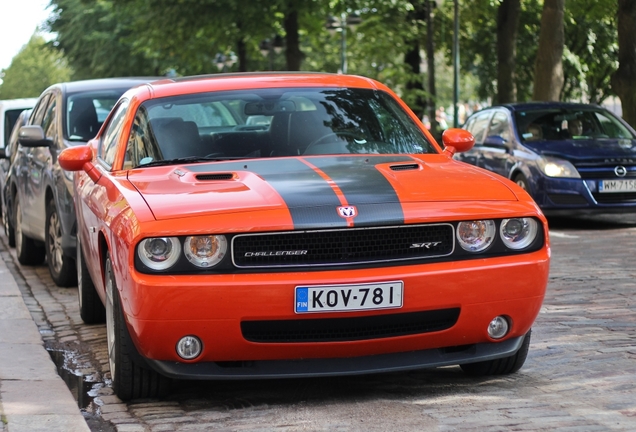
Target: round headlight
x,y
205,251
159,253
476,236
518,233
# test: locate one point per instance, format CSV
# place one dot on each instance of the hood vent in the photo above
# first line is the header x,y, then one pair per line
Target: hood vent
x,y
215,176
405,167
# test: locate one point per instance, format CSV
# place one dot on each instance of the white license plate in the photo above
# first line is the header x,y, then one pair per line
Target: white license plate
x,y
614,186
339,298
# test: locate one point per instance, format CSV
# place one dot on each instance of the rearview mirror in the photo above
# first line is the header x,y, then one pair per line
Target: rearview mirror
x,y
457,141
33,136
268,107
497,142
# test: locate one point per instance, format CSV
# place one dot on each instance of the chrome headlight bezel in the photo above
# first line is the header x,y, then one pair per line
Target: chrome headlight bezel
x,y
152,255
476,235
212,249
518,233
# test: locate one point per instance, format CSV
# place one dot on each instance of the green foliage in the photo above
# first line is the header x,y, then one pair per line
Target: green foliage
x,y
591,56
151,37
32,70
93,37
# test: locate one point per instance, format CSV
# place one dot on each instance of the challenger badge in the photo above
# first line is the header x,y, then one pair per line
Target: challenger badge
x,y
347,211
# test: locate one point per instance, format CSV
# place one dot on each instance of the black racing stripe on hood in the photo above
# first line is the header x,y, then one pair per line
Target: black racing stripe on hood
x,y
365,187
310,199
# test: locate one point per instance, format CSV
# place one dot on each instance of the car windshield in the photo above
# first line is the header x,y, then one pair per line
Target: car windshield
x,y
564,124
86,112
271,123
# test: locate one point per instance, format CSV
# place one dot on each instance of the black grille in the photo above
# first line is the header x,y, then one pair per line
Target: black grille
x,y
614,198
349,329
604,172
219,176
567,199
345,246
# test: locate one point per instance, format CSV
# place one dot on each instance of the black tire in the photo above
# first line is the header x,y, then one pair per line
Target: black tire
x,y
27,250
91,308
502,366
130,379
522,182
61,267
9,231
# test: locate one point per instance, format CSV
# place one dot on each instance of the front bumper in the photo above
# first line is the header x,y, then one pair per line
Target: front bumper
x,y
392,362
580,196
161,310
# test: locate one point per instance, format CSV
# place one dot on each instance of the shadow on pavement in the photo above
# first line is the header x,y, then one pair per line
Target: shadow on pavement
x,y
596,222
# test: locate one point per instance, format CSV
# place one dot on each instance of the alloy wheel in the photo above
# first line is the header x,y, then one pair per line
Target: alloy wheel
x,y
78,257
18,227
55,243
110,321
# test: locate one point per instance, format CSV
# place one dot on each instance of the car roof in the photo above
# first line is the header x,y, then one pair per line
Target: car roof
x,y
22,103
521,106
102,84
255,80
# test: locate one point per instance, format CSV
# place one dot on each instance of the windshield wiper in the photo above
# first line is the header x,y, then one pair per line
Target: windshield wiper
x,y
189,159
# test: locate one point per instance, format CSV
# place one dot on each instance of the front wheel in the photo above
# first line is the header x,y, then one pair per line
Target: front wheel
x,y
9,231
27,250
502,366
61,267
91,308
522,182
130,379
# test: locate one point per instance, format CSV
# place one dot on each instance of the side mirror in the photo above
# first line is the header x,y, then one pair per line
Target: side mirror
x,y
79,158
33,136
497,142
457,141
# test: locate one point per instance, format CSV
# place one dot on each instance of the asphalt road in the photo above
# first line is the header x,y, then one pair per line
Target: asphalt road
x,y
580,374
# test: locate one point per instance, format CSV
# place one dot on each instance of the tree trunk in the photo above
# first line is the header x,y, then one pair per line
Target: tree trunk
x,y
548,70
293,54
624,79
413,60
507,24
430,57
242,55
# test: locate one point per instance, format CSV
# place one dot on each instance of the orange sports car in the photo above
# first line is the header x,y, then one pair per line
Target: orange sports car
x,y
290,225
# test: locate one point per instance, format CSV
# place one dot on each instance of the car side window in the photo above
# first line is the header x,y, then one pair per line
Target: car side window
x,y
49,122
479,126
142,146
499,126
108,146
40,110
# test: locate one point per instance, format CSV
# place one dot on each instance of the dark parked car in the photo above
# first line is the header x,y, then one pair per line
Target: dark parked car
x,y
571,158
10,110
40,192
6,159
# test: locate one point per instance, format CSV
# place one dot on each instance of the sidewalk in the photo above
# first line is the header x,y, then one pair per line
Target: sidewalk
x,y
33,397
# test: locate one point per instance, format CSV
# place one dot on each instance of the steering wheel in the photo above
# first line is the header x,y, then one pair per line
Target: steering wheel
x,y
320,140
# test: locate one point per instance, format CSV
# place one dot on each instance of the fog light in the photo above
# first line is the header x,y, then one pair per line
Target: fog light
x,y
498,327
189,347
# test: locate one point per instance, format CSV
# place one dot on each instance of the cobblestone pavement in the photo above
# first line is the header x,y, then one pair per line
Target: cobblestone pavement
x,y
580,374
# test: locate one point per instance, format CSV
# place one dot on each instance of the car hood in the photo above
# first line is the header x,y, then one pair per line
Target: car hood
x,y
312,189
583,149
